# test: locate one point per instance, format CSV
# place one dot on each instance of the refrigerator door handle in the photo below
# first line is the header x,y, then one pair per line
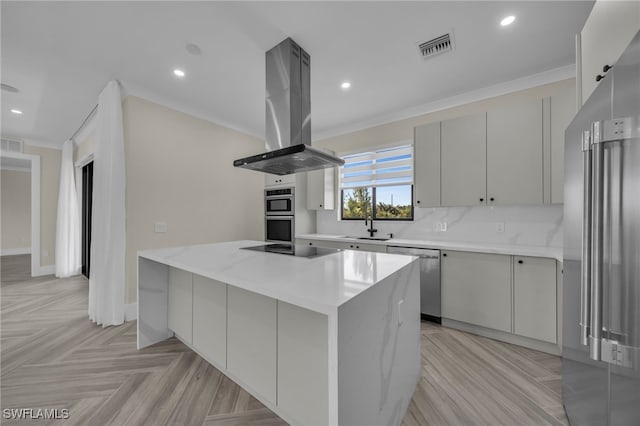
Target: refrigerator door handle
x,y
585,275
597,238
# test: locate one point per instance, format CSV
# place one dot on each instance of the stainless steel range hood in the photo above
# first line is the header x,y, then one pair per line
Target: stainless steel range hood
x,y
288,116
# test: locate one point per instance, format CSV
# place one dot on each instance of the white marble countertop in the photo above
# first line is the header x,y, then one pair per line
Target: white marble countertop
x,y
497,248
320,284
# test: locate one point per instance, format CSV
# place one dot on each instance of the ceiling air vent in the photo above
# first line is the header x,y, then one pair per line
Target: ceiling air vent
x,y
438,45
11,145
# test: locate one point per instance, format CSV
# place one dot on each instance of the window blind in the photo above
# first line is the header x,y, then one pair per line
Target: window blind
x,y
382,167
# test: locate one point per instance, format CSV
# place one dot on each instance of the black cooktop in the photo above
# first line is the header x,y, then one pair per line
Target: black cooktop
x,y
293,250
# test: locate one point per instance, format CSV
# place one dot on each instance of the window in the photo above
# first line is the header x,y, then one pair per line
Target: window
x,y
382,178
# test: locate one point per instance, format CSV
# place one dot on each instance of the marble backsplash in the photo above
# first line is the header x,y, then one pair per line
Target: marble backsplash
x,y
523,225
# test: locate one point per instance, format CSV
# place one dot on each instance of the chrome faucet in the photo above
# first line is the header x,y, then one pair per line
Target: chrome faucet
x,y
370,230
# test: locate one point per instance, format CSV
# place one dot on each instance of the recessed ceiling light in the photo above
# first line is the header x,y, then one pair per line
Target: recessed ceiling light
x,y
178,72
345,85
508,20
16,111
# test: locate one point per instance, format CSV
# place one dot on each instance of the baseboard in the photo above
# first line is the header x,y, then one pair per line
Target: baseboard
x,y
131,312
47,270
14,251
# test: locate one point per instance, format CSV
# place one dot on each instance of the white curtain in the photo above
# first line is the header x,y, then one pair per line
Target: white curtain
x,y
68,244
107,275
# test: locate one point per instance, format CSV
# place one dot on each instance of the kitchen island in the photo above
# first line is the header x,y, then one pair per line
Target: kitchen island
x,y
324,340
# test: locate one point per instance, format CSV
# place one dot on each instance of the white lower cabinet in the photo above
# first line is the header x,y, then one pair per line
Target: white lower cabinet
x,y
302,364
476,288
534,287
252,340
210,319
180,304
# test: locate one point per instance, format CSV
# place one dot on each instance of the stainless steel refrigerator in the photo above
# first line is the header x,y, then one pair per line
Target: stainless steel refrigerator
x,y
601,286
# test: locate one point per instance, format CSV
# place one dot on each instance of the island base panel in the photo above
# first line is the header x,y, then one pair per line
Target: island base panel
x,y
153,279
379,350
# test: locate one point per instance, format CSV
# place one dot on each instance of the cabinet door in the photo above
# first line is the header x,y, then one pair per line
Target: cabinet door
x,y
320,194
275,180
463,164
514,154
180,304
210,319
563,109
534,286
323,243
364,247
251,341
476,289
303,373
609,29
426,146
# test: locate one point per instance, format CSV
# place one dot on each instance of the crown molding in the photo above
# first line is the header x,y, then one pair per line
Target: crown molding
x,y
43,144
129,89
524,83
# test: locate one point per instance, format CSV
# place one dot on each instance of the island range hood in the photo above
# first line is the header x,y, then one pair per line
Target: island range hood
x,y
288,116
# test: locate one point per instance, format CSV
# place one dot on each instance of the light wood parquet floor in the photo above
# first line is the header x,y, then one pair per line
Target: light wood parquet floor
x,y
52,356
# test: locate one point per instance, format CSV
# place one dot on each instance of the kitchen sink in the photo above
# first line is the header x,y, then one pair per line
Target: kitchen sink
x,y
368,238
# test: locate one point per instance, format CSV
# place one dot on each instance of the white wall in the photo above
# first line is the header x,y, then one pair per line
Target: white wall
x,y
16,211
526,225
180,171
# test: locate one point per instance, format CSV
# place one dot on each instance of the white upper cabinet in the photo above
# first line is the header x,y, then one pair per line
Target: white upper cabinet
x,y
463,161
275,180
606,33
426,141
320,192
514,154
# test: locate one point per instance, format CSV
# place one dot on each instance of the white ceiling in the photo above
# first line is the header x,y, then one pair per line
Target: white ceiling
x,y
60,56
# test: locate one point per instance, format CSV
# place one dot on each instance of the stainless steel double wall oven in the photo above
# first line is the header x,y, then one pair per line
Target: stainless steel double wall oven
x,y
279,210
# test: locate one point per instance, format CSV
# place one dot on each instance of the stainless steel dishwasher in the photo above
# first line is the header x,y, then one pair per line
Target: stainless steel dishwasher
x,y
429,280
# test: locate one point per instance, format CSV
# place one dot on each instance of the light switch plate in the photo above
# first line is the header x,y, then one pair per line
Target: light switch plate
x,y
499,226
160,227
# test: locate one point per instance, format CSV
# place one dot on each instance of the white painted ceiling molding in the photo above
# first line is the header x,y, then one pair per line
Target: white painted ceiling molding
x,y
34,142
129,89
517,85
43,144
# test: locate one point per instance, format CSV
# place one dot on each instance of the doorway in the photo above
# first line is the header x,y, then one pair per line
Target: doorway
x,y
26,161
87,202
